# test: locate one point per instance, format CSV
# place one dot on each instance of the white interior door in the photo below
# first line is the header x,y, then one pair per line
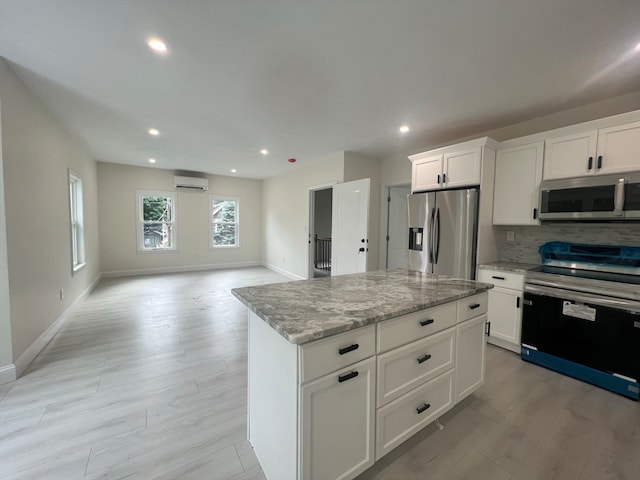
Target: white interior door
x,y
350,223
397,228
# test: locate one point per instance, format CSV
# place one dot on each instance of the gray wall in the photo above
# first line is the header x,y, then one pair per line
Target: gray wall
x,y
37,153
322,214
117,213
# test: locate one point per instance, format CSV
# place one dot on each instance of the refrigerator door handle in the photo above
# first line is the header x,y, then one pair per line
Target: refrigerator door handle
x,y
430,244
437,238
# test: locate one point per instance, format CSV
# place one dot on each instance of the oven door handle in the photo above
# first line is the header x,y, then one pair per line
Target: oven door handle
x,y
612,302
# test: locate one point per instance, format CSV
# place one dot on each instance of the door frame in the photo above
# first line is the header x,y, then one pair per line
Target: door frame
x,y
311,226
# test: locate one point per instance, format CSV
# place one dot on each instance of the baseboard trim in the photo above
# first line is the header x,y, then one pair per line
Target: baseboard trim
x,y
38,345
282,271
180,269
7,373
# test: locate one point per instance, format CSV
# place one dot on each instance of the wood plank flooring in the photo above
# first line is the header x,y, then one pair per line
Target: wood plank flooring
x,y
147,380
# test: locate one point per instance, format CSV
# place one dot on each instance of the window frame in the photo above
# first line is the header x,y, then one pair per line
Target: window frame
x,y
140,223
76,221
212,198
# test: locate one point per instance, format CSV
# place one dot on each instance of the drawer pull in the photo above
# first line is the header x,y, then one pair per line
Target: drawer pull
x,y
497,277
348,376
474,306
348,349
423,407
424,358
428,321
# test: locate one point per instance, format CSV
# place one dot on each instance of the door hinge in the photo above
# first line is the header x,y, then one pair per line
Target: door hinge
x,y
388,199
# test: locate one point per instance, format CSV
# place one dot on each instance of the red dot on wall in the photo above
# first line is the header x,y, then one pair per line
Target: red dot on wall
x,y
292,160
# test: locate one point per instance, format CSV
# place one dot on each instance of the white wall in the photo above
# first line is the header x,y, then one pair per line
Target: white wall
x,y
286,214
37,153
7,369
117,212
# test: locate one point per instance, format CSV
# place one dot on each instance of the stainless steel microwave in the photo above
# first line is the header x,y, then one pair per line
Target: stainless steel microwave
x,y
596,198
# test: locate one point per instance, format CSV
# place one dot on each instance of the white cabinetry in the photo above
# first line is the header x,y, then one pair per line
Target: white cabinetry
x,y
613,149
329,408
337,413
505,307
470,345
449,167
517,185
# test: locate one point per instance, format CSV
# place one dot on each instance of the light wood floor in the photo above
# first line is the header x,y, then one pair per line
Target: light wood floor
x,y
147,380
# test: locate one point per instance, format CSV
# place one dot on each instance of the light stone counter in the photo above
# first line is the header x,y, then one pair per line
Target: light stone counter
x,y
515,267
306,310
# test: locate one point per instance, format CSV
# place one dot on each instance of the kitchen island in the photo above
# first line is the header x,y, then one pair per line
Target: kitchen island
x,y
344,369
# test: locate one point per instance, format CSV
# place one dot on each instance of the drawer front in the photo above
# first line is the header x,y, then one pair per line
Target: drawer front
x,y
472,306
414,326
330,354
514,281
410,413
407,367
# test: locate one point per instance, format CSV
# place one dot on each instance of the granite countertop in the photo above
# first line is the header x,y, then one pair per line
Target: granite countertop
x,y
514,267
306,310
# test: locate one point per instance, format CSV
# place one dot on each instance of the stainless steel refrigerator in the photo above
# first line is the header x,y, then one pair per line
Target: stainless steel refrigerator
x,y
443,230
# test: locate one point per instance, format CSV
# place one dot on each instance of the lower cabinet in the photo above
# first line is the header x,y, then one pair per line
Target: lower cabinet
x,y
330,408
470,348
337,423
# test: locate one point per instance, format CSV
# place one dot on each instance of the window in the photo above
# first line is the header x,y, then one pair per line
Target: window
x,y
156,221
224,221
77,222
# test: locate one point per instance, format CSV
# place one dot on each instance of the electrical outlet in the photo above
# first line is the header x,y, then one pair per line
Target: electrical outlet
x,y
511,236
61,293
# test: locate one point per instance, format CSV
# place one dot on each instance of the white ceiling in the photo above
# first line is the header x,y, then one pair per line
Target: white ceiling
x,y
310,78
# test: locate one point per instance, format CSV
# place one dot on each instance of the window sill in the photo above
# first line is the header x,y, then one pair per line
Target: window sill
x,y
157,250
76,268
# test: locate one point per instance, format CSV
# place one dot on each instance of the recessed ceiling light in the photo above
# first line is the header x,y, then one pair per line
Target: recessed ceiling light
x,y
637,49
152,160
233,170
264,151
154,132
404,129
157,45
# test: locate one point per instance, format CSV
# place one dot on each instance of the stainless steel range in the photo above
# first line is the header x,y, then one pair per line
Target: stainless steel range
x,y
581,314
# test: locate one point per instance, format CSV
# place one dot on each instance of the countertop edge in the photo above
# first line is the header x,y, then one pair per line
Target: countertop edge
x,y
319,333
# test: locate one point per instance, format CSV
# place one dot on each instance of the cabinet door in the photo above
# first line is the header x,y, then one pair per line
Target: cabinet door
x,y
426,173
505,316
462,168
570,156
470,348
619,149
337,423
517,185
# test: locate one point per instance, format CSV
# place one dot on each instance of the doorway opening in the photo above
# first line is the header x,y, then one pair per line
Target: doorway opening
x,y
397,227
320,213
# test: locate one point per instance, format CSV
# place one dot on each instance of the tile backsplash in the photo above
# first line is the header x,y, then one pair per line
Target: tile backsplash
x,y
524,248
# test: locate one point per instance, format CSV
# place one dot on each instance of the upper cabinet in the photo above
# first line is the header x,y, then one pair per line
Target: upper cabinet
x,y
454,166
517,183
607,150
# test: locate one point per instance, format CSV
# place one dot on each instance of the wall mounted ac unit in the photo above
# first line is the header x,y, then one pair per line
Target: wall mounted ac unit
x,y
191,183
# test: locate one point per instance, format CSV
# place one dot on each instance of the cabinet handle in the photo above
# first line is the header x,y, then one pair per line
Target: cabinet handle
x,y
348,376
428,321
474,306
590,164
535,213
423,407
424,358
348,349
438,179
444,178
517,302
498,278
599,162
488,329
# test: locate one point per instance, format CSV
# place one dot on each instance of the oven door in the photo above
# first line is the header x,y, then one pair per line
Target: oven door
x,y
591,330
